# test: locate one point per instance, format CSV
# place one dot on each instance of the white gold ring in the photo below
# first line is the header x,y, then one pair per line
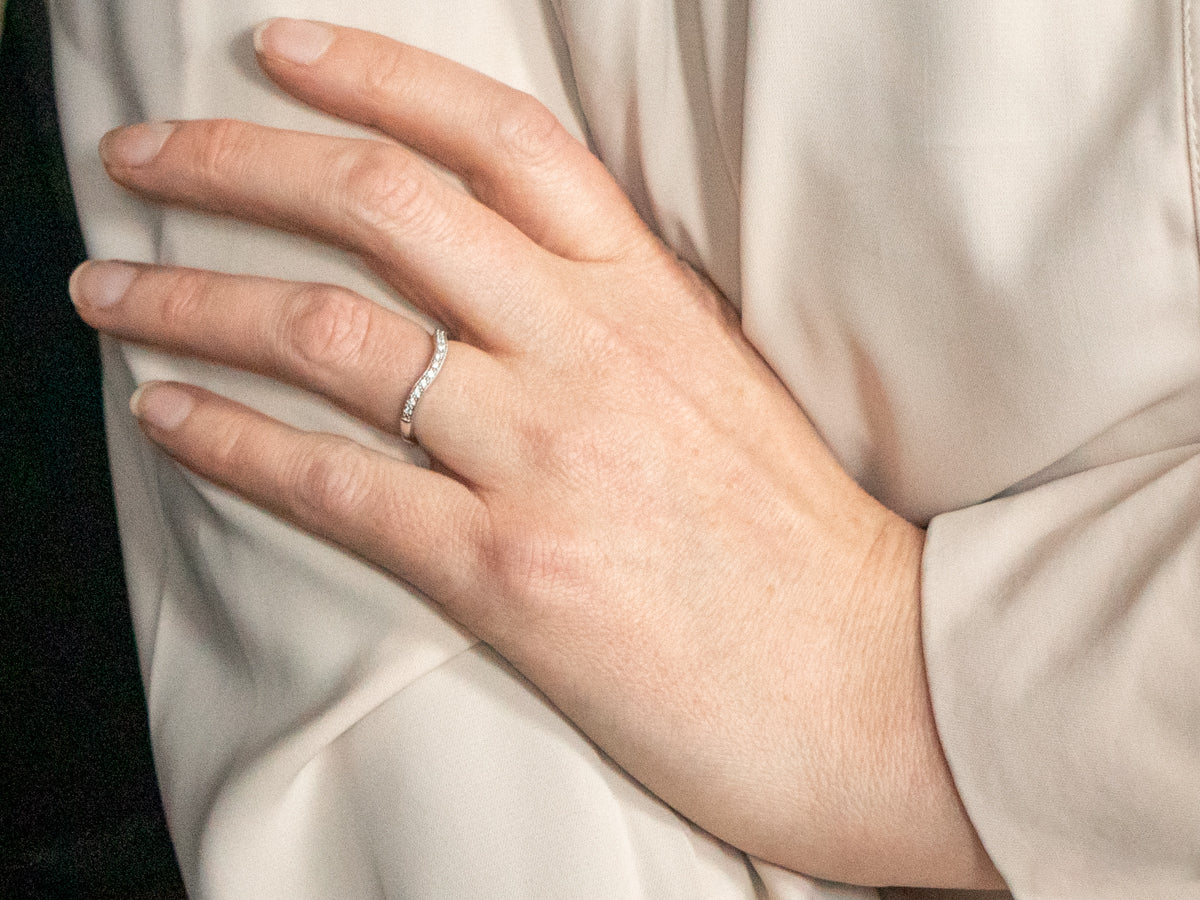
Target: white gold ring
x,y
426,379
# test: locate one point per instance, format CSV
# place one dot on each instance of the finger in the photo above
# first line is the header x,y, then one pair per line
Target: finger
x,y
422,526
509,148
320,337
452,256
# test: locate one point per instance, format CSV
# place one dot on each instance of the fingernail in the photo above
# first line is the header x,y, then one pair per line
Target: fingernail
x,y
100,284
135,145
294,40
161,405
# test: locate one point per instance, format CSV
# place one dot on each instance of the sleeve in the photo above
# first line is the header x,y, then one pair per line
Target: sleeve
x,y
1062,630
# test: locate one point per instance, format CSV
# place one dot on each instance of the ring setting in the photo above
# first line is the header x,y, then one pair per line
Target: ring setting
x,y
423,383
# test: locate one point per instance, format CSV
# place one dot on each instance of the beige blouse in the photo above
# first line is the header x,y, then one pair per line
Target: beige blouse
x,y
964,234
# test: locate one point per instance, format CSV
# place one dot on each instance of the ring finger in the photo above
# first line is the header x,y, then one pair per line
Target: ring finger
x,y
324,338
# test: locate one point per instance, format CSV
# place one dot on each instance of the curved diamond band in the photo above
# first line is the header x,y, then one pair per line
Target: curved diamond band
x,y
426,379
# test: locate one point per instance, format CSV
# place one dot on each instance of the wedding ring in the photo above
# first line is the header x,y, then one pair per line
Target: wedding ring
x,y
426,379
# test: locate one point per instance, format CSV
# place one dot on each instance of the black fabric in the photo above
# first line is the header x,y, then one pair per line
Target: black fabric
x,y
82,816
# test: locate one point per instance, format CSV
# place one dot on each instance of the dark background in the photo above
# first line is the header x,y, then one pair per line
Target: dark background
x,y
81,815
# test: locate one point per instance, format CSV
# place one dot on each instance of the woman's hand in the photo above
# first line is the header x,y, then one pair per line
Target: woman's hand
x,y
625,502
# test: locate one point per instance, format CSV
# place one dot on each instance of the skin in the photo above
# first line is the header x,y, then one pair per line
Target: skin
x,y
625,501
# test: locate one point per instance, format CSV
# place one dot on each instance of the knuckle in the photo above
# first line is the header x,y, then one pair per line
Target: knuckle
x,y
388,77
332,480
537,572
232,446
182,301
383,189
526,131
327,327
223,151
587,448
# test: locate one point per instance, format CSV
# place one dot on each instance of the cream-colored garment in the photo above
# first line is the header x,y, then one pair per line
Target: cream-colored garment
x,y
963,233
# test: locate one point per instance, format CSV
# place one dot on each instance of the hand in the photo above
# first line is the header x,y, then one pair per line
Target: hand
x,y
625,501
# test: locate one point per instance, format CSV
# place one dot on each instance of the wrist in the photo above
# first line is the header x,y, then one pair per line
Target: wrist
x,y
926,838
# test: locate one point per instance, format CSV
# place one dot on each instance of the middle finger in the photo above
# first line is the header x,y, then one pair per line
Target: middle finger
x,y
450,255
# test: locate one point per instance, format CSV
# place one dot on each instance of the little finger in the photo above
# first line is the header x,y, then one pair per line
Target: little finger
x,y
409,520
